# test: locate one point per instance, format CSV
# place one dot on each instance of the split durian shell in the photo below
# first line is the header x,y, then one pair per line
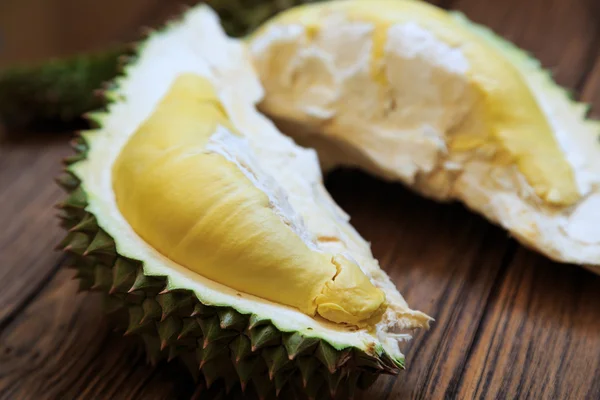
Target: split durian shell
x,y
222,334
414,94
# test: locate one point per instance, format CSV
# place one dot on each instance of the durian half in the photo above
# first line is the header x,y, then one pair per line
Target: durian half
x,y
415,94
213,233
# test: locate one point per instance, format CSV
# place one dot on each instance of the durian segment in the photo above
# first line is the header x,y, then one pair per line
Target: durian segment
x,y
188,183
414,94
197,45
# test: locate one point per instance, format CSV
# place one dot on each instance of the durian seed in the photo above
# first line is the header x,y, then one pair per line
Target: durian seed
x,y
264,336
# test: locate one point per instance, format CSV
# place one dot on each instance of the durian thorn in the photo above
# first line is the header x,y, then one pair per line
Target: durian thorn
x,y
127,332
202,363
205,343
67,248
243,386
253,348
163,317
171,357
164,291
271,374
163,344
113,290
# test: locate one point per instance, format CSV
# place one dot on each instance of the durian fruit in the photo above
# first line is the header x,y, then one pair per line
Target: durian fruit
x,y
60,90
415,94
211,233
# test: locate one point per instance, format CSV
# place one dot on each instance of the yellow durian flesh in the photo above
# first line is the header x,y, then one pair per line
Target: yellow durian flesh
x,y
504,122
199,209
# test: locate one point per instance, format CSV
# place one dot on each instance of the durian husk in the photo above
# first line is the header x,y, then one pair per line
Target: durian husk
x,y
59,91
244,353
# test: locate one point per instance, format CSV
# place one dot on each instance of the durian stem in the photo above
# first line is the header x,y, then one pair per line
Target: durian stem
x,y
62,90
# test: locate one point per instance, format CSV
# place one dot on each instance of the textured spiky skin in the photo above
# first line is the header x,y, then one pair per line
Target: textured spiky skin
x,y
216,343
61,90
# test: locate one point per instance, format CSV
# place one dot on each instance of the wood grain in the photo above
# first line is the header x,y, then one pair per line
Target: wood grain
x,y
509,323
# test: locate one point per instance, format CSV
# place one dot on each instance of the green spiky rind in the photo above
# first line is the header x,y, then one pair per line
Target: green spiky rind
x,y
64,89
532,68
243,352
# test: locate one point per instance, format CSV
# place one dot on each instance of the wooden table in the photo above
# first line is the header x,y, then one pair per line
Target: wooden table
x,y
509,323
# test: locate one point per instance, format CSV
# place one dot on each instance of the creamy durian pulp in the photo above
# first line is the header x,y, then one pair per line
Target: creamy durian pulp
x,y
188,183
415,94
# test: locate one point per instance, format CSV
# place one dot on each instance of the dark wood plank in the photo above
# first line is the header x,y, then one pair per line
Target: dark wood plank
x,y
540,335
29,227
443,259
63,27
61,347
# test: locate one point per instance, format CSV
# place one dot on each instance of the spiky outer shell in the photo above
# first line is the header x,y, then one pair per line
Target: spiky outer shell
x,y
62,90
216,343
